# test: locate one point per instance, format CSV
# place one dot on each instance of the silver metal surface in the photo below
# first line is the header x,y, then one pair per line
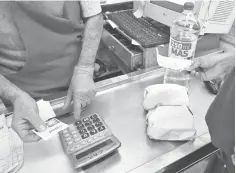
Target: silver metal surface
x,y
121,108
158,165
119,102
207,164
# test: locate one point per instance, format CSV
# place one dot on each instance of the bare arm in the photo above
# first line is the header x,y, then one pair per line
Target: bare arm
x,y
91,40
12,60
9,91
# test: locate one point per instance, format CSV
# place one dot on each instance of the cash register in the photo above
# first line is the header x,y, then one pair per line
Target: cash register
x,y
151,30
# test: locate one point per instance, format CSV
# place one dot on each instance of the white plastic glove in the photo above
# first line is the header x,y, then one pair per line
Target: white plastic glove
x,y
82,89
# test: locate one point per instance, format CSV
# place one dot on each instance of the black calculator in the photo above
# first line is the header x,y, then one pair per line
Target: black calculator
x,y
88,140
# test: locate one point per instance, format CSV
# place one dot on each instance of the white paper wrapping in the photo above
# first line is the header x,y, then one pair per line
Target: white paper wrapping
x,y
165,94
171,123
169,117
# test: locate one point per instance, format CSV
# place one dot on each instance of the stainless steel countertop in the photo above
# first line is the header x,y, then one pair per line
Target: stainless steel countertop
x,y
121,107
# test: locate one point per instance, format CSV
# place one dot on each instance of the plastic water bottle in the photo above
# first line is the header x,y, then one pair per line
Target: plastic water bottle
x,y
184,34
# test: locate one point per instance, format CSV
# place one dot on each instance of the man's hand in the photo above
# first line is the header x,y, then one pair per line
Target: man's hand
x,y
82,89
213,66
26,117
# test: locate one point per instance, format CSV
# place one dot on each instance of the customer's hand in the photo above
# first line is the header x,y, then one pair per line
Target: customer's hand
x,y
213,66
82,89
26,117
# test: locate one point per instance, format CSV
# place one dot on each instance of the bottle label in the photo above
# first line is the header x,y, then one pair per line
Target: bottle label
x,y
180,49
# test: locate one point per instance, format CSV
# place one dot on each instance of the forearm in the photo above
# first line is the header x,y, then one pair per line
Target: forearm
x,y
227,64
91,40
9,91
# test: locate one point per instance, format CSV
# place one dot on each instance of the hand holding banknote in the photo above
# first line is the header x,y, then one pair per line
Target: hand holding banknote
x,y
26,116
48,115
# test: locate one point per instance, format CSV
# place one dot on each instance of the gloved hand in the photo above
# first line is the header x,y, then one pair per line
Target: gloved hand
x,y
25,117
212,66
82,89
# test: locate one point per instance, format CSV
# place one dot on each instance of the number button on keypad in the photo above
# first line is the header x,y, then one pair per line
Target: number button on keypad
x,y
82,131
101,128
83,142
68,139
90,127
75,136
85,135
77,139
89,140
69,143
78,123
94,131
86,119
65,131
72,149
73,132
93,116
66,135
96,120
80,127
98,124
89,123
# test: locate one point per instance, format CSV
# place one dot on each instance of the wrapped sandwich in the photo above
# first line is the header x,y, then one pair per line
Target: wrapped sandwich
x,y
169,117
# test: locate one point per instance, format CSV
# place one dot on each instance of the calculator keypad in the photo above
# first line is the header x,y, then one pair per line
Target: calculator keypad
x,y
91,126
83,132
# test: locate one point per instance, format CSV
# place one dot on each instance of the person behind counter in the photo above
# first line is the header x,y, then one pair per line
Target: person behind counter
x,y
42,53
220,117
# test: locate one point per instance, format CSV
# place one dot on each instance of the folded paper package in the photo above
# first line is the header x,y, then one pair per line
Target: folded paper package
x,y
165,94
169,117
11,146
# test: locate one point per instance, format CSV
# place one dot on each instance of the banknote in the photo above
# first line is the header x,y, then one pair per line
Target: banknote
x,y
53,127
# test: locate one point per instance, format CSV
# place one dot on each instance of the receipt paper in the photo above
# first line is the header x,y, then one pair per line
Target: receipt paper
x,y
173,63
